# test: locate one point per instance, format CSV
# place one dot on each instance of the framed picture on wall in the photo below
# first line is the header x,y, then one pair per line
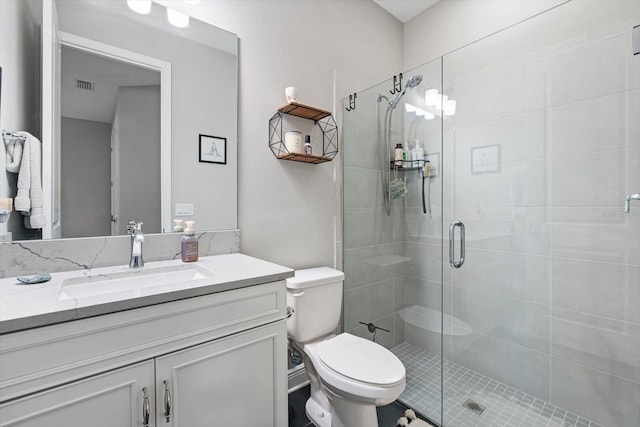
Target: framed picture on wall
x,y
213,149
485,159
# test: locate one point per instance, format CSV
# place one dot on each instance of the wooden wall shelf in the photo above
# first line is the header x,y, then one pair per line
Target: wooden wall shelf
x,y
306,158
304,111
320,117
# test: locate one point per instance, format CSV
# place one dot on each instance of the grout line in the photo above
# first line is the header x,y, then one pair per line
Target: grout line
x,y
505,404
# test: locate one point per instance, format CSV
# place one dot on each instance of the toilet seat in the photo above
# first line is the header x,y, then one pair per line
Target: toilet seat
x,y
361,360
344,385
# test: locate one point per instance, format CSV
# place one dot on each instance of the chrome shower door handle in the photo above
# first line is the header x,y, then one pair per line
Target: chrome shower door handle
x,y
627,203
452,232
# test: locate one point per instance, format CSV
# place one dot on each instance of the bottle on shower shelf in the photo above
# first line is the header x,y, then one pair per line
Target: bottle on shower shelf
x,y
406,156
418,154
398,155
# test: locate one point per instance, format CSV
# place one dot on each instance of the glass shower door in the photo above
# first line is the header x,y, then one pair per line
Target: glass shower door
x,y
542,152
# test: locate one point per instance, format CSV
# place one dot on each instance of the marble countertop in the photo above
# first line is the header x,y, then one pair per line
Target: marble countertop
x,y
30,306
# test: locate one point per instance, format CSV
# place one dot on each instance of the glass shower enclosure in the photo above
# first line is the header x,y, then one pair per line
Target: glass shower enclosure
x,y
506,274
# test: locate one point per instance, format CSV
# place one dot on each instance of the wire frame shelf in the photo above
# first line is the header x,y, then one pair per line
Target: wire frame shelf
x,y
322,118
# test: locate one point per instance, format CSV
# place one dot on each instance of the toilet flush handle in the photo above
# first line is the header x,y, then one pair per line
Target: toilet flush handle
x,y
297,294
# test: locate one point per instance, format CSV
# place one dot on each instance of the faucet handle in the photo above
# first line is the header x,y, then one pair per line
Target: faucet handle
x,y
134,226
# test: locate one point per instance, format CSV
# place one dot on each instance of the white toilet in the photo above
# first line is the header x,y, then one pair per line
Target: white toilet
x,y
349,375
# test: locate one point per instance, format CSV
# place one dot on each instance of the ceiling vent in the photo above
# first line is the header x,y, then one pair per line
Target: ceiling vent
x,y
84,85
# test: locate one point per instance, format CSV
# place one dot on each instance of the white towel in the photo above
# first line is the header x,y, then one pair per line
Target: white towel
x,y
14,154
30,200
22,202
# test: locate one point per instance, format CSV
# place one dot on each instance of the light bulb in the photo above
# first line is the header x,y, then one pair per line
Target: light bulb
x,y
140,6
450,107
177,19
440,101
427,115
430,97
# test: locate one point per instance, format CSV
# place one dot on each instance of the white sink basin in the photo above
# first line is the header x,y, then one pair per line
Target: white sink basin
x,y
133,283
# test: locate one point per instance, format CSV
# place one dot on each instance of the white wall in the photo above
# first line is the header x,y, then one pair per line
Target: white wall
x,y
138,113
452,24
288,211
85,177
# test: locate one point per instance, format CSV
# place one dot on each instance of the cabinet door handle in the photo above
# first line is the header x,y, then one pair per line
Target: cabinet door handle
x,y
167,401
146,408
452,228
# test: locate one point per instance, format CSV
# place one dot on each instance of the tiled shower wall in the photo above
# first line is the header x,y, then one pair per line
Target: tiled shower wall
x,y
373,261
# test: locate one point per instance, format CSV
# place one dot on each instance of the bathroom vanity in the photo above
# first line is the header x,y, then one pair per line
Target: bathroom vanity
x,y
209,349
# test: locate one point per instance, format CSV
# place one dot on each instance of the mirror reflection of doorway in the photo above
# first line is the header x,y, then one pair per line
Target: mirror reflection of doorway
x,y
110,145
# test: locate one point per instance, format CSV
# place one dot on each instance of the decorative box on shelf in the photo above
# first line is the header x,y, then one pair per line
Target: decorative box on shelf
x,y
322,118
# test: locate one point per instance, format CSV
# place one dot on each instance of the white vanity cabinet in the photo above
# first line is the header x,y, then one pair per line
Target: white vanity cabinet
x,y
212,360
118,398
228,382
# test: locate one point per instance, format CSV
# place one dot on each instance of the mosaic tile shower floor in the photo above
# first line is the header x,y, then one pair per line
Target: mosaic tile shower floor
x,y
505,406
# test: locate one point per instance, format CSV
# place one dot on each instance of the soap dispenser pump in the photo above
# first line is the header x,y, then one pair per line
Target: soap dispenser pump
x,y
189,243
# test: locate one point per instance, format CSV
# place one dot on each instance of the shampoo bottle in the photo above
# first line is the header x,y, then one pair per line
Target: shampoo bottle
x,y
189,243
418,154
398,155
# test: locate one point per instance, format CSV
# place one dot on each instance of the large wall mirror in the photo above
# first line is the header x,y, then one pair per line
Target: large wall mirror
x,y
129,104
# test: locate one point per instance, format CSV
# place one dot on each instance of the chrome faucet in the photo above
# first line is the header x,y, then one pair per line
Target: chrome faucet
x,y
627,203
137,237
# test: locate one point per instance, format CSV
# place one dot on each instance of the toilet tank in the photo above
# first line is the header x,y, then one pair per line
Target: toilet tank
x,y
315,294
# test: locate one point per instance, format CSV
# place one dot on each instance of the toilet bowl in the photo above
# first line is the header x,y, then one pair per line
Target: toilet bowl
x,y
349,375
358,368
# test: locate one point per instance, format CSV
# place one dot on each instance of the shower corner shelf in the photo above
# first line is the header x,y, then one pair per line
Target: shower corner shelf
x,y
322,118
404,168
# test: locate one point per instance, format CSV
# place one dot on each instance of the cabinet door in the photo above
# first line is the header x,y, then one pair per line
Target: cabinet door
x,y
116,398
239,380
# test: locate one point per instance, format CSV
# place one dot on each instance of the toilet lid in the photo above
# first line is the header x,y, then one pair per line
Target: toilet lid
x,y
361,360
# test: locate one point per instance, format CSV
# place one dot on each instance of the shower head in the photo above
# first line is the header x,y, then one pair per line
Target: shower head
x,y
414,81
411,83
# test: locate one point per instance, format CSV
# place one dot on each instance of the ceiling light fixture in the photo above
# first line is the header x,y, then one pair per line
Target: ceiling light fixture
x,y
449,107
140,6
177,19
430,97
440,101
427,115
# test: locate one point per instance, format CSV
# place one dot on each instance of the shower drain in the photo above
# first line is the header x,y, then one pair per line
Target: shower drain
x,y
475,407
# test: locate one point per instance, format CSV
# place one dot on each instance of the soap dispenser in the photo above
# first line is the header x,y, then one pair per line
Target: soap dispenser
x,y
189,243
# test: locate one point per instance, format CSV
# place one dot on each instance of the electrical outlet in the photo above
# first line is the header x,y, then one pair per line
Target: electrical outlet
x,y
184,209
